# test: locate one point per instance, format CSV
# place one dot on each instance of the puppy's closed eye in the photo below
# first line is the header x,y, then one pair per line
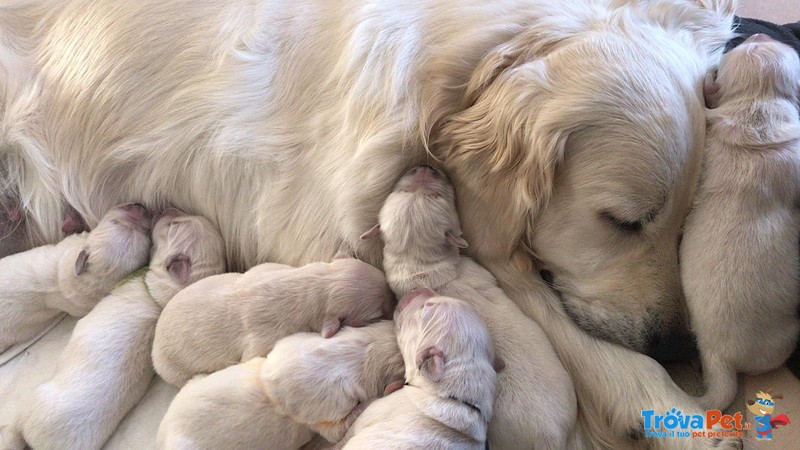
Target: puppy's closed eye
x,y
621,224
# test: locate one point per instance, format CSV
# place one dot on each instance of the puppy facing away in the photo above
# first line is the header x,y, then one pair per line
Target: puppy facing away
x,y
71,276
230,318
106,368
450,381
306,384
536,404
739,258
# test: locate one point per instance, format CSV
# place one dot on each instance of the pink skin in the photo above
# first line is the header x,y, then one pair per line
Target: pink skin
x,y
421,179
137,217
73,223
418,295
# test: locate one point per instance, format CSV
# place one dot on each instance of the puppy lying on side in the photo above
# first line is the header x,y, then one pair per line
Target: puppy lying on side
x,y
106,368
230,318
306,384
744,312
536,405
451,381
71,276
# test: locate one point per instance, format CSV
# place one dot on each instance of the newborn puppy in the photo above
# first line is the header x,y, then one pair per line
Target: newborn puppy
x,y
739,260
71,276
451,381
536,405
230,318
306,384
106,368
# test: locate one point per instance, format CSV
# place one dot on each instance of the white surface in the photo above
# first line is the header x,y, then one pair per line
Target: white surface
x,y
37,364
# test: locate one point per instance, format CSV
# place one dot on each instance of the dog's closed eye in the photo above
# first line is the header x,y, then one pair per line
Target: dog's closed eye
x,y
623,225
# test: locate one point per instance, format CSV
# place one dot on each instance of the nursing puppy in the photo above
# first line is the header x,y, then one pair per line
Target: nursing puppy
x,y
306,384
450,381
230,318
106,368
739,254
536,404
71,276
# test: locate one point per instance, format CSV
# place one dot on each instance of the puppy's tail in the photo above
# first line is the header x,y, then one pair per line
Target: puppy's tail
x,y
11,438
720,381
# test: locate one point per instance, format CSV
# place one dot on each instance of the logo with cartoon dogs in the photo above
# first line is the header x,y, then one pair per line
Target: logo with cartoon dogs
x,y
762,409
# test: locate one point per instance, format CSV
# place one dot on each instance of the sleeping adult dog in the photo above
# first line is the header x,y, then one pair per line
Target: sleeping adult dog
x,y
572,131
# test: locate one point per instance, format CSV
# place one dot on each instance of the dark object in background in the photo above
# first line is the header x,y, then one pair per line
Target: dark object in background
x,y
789,34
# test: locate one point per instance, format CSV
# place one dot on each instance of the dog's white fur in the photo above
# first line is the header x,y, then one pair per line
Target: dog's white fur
x,y
739,255
306,384
615,424
231,318
450,381
106,368
286,122
228,410
536,405
71,276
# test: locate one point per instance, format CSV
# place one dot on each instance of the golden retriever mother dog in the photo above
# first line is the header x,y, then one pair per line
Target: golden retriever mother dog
x,y
572,132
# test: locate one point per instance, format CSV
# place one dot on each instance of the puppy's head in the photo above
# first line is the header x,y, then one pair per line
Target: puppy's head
x,y
575,159
116,247
447,349
760,67
357,295
419,217
185,249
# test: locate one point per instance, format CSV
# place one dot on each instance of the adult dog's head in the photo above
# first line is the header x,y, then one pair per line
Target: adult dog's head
x,y
577,149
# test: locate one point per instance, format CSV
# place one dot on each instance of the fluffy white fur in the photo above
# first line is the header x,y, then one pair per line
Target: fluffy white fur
x,y
71,276
536,405
450,381
230,318
286,122
739,255
307,383
105,368
228,410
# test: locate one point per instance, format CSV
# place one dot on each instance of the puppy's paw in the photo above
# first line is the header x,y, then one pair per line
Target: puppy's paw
x,y
331,326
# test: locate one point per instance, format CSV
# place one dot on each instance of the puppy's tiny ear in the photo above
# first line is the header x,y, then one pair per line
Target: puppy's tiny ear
x,y
431,363
711,90
395,385
458,241
331,326
372,233
180,267
81,262
499,364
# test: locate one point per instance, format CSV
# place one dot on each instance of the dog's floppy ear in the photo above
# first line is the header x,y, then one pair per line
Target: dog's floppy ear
x,y
179,267
711,91
458,241
373,232
82,262
431,363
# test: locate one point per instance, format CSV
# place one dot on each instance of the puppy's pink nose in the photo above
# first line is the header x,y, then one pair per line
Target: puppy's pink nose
x,y
418,294
758,37
136,211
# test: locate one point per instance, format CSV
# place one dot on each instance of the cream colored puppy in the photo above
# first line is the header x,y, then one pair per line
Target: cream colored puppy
x,y
71,276
306,384
739,254
230,318
106,368
536,405
450,381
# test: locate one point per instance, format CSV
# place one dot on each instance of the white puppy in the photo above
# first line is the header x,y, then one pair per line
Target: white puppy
x,y
230,318
71,276
739,258
307,383
450,381
106,368
536,404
